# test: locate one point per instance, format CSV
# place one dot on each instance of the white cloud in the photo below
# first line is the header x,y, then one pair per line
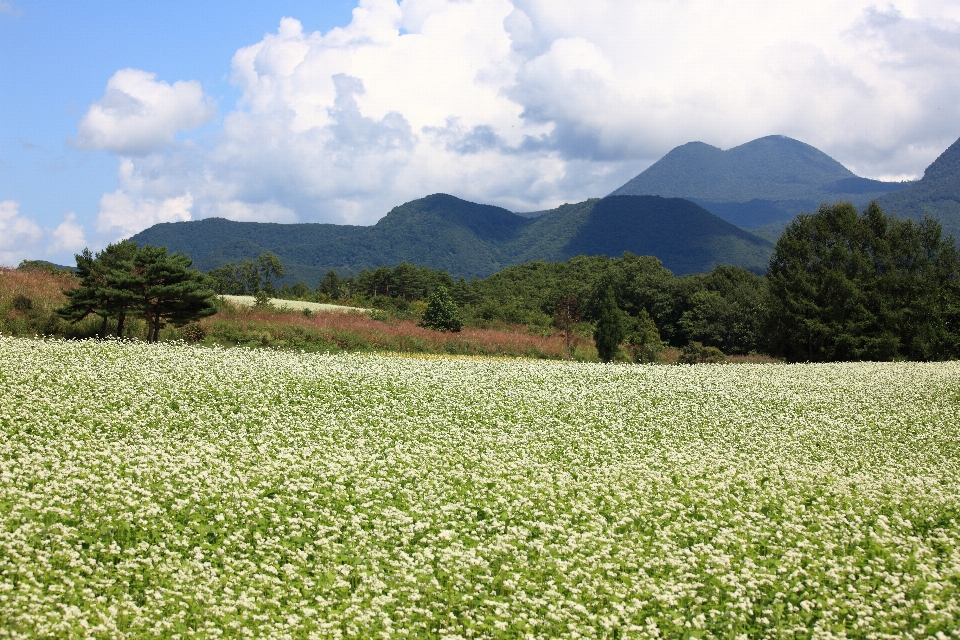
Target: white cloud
x,y
23,239
67,237
122,216
17,233
8,8
531,103
139,114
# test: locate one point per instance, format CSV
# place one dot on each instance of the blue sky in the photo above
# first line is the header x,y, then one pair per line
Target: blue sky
x,y
118,115
56,56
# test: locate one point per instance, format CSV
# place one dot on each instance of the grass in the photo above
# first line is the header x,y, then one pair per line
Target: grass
x,y
338,331
28,299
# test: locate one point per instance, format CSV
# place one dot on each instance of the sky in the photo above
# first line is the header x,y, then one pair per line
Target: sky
x,y
117,115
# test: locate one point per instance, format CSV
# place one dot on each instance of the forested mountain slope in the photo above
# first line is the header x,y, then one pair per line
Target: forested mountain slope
x,y
469,239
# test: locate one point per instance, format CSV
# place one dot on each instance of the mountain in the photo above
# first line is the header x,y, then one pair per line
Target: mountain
x,y
937,194
764,182
469,239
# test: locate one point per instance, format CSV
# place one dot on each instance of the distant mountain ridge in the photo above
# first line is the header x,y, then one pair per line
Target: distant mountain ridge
x,y
766,181
469,239
937,194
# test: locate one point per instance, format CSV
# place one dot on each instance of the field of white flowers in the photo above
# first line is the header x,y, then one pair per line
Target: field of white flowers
x,y
176,491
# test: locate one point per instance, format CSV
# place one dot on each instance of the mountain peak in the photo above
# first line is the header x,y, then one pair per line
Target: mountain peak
x,y
767,180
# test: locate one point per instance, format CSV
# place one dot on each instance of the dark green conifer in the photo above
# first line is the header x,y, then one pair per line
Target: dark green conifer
x,y
169,291
609,330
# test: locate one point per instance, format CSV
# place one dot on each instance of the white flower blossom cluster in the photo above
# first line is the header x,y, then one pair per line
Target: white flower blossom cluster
x,y
177,491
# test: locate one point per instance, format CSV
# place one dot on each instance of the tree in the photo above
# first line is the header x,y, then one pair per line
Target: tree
x,y
168,291
645,343
695,353
609,330
849,286
228,279
330,285
300,290
724,308
106,286
441,313
566,316
269,267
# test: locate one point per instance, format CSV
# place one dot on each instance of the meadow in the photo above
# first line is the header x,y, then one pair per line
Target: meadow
x,y
181,491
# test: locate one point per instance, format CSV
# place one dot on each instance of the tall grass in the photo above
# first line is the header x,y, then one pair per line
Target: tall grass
x,y
337,331
28,303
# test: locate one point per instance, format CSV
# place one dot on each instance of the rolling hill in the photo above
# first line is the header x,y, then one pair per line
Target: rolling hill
x,y
764,182
469,239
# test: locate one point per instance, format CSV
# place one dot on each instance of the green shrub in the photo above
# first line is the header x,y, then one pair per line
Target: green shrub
x,y
695,353
441,313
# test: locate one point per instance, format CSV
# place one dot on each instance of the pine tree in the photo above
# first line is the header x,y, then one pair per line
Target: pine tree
x,y
609,330
105,287
849,286
169,291
441,313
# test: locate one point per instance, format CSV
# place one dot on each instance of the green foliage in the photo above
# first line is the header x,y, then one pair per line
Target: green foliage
x,y
695,353
42,265
108,286
405,281
330,285
849,286
123,279
22,303
193,332
168,291
644,339
300,290
565,318
609,330
261,300
725,308
441,313
247,277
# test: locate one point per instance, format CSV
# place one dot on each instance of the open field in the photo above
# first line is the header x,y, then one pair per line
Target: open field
x,y
296,305
175,491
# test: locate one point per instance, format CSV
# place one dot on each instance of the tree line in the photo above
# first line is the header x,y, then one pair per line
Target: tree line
x,y
842,285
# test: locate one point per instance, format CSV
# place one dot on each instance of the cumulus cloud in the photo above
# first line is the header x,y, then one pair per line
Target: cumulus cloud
x,y
122,216
67,237
526,103
17,233
21,238
139,114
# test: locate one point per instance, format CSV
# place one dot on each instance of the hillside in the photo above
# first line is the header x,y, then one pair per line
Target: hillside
x,y
765,181
468,239
937,194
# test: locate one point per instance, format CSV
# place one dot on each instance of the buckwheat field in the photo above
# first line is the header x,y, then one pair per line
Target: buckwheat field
x,y
175,491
